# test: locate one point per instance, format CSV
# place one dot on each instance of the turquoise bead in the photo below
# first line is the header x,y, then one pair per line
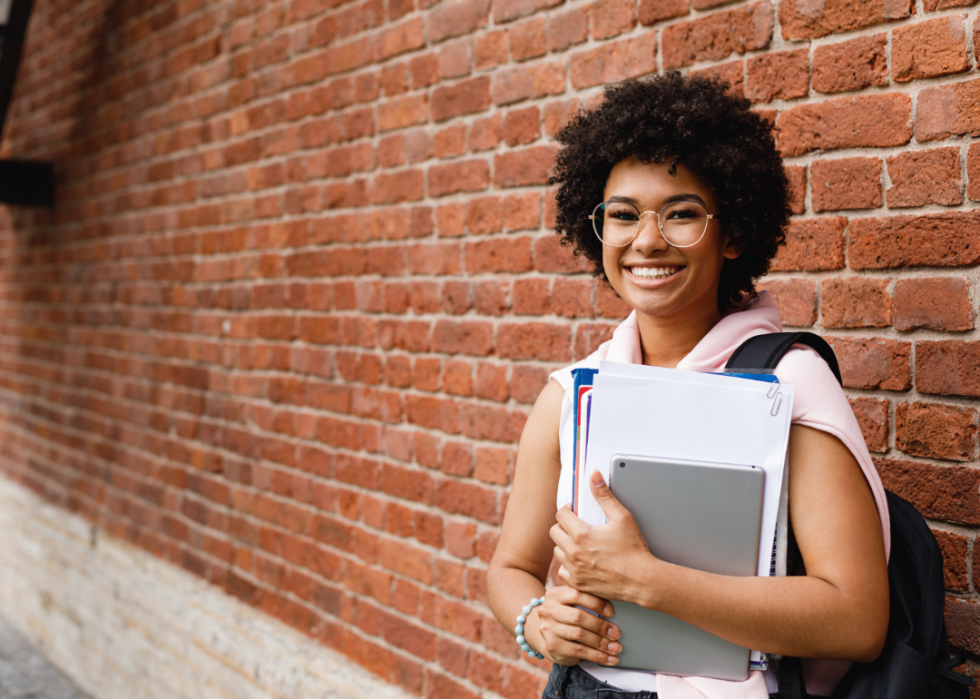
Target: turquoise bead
x,y
531,653
526,610
519,629
521,619
521,639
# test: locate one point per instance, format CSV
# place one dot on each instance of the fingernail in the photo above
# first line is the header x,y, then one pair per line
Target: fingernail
x,y
613,633
607,610
613,660
614,648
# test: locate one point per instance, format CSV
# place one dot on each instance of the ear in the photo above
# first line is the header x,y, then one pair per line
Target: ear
x,y
729,251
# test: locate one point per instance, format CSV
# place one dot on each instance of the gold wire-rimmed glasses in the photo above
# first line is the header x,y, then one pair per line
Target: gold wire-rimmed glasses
x,y
681,223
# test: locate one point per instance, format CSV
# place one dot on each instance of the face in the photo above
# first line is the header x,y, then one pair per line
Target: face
x,y
655,278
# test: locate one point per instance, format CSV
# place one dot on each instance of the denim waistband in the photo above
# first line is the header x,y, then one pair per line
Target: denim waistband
x,y
575,683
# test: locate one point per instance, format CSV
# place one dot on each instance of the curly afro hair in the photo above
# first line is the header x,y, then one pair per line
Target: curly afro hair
x,y
675,119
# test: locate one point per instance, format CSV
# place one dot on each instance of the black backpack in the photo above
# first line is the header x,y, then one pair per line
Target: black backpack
x,y
915,662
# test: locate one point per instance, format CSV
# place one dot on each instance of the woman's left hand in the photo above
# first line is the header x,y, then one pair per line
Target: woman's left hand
x,y
608,560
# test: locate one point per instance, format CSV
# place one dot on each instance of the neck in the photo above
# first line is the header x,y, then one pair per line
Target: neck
x,y
667,340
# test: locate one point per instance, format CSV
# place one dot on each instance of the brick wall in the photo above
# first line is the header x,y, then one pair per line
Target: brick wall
x,y
299,291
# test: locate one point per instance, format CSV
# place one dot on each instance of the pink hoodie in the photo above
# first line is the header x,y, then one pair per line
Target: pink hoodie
x,y
819,403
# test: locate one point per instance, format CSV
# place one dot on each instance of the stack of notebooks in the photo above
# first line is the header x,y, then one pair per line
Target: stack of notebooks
x,y
672,419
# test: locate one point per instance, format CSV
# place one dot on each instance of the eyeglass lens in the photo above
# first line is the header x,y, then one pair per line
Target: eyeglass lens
x,y
681,223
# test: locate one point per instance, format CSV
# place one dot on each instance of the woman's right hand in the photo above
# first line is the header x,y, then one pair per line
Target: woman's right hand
x,y
565,634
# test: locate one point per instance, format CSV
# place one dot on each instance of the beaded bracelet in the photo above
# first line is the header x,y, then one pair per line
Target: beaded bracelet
x,y
519,629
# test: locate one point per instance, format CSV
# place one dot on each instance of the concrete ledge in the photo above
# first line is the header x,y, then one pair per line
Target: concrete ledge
x,y
126,625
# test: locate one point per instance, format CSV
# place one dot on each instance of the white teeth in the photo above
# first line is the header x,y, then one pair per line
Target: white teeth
x,y
653,272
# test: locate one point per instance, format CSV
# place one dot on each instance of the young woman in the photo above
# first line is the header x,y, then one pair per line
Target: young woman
x,y
675,191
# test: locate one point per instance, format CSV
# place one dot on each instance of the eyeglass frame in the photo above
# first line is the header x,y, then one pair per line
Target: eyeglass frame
x,y
660,227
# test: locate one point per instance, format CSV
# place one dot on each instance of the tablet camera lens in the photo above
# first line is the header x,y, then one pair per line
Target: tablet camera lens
x,y
622,464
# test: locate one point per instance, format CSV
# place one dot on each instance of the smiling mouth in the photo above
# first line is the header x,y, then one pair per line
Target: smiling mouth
x,y
653,272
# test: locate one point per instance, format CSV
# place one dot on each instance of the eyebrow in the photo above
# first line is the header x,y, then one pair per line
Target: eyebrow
x,y
686,196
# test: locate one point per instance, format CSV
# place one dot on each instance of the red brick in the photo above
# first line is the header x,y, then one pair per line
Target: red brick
x,y
457,18
395,187
558,114
613,61
612,17
572,298
948,367
873,362
434,413
855,302
850,65
494,465
543,341
796,175
936,431
933,303
490,49
530,166
455,59
780,75
812,245
459,378
452,656
802,20
491,382
485,133
491,423
427,374
651,11
933,5
608,304
492,297
522,126
936,240
526,382
457,459
718,35
795,298
955,549
931,48
439,686
466,176
397,39
846,122
526,82
498,255
465,97
732,73
506,680
463,337
408,560
532,296
418,145
507,10
568,28
551,256
450,141
465,498
948,110
527,39
872,416
847,183
401,112
947,493
460,538
973,172
924,177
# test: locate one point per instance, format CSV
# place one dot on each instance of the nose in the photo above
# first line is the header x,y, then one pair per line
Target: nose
x,y
649,237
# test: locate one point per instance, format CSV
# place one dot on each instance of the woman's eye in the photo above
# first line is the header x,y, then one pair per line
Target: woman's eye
x,y
682,213
623,215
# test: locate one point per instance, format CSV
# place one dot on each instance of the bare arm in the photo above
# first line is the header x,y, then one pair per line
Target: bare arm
x,y
839,609
519,568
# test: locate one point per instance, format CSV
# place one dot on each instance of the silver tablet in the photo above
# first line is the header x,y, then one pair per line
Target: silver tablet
x,y
699,515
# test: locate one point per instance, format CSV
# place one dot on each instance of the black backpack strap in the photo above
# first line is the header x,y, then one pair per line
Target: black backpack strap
x,y
791,685
765,351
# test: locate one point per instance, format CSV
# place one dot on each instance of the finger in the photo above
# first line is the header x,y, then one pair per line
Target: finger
x,y
572,597
569,521
595,625
562,647
603,494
